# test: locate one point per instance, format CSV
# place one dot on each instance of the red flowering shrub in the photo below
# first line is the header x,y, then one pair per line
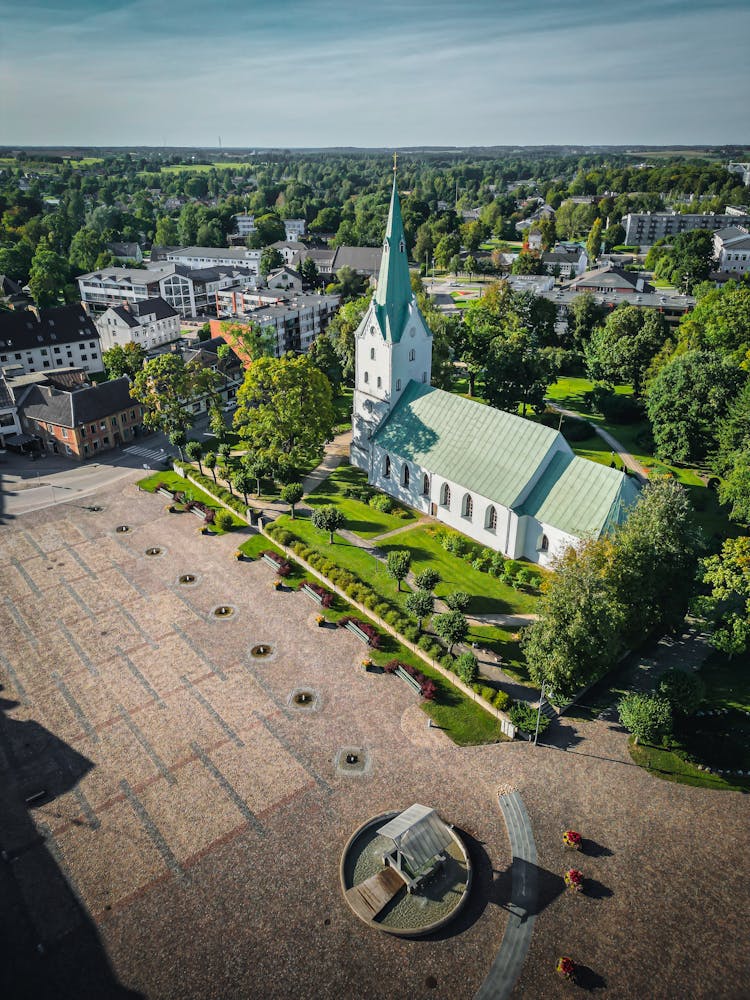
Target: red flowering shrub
x,y
326,597
372,633
565,967
429,690
573,879
571,838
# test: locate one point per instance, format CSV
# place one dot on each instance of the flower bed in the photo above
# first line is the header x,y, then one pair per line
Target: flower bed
x,y
572,839
427,688
565,968
573,879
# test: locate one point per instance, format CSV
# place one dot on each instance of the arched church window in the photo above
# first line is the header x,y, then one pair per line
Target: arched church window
x,y
367,376
387,467
544,545
412,354
372,354
425,485
405,476
491,519
445,495
380,382
468,506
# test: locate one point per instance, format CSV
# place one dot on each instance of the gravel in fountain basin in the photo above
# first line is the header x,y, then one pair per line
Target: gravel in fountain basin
x,y
223,611
262,651
188,579
436,901
155,551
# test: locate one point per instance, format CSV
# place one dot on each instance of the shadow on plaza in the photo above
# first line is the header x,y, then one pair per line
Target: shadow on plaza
x,y
519,887
50,944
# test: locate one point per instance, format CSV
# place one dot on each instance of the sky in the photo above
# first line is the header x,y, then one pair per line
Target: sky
x,y
373,73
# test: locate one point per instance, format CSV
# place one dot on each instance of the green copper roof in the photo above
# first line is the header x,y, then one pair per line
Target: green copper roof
x,y
490,452
393,296
581,497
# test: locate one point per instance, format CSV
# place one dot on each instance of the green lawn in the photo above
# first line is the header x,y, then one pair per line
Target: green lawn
x,y
727,681
342,404
174,482
488,594
669,766
362,519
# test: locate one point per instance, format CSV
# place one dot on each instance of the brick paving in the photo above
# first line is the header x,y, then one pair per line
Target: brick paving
x,y
199,819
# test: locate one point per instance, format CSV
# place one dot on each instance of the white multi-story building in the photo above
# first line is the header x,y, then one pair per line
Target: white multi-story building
x,y
297,319
61,337
245,224
732,250
151,323
295,228
202,257
645,228
512,484
190,291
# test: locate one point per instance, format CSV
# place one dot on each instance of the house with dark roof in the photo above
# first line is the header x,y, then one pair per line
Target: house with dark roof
x,y
47,339
511,484
565,263
151,323
611,279
285,278
81,421
125,251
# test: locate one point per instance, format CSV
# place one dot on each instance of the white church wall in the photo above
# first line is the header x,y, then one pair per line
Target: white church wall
x,y
543,542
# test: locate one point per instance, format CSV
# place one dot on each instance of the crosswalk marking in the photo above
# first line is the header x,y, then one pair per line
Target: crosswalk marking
x,y
148,453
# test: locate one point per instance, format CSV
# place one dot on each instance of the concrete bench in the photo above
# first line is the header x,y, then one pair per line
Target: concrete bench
x,y
270,560
400,672
356,630
311,594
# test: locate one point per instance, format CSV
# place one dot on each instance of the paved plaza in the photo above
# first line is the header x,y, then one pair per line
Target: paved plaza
x,y
189,840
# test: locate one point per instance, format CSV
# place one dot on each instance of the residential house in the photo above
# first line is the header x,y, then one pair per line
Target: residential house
x,y
229,367
245,224
285,278
151,323
125,251
294,252
295,228
46,339
564,263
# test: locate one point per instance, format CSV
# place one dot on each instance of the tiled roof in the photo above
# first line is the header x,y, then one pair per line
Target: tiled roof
x,y
22,331
71,409
580,497
490,452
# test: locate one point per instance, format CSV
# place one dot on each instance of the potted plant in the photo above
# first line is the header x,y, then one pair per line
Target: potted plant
x,y
238,555
321,620
573,879
566,968
572,839
276,584
367,663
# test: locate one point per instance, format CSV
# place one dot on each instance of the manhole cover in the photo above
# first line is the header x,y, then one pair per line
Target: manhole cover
x,y
187,578
122,528
223,611
261,650
154,551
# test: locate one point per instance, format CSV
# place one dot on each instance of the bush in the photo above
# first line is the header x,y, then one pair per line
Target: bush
x,y
467,668
448,662
524,716
284,537
576,430
501,700
223,520
683,691
525,578
381,502
428,579
454,544
458,600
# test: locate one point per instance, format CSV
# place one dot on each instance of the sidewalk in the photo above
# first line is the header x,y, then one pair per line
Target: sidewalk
x,y
625,456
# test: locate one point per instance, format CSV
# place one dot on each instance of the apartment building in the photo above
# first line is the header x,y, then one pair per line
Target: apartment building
x,y
47,339
296,319
203,257
152,323
645,228
732,250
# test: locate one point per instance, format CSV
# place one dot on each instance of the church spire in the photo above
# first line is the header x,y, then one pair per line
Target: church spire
x,y
393,296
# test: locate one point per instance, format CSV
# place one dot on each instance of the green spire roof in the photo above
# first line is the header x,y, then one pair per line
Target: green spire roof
x,y
393,296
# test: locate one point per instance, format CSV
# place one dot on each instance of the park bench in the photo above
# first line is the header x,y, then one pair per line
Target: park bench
x,y
400,672
356,630
198,513
270,560
312,594
166,492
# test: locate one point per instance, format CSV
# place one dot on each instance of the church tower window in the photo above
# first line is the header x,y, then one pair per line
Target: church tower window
x,y
387,467
398,385
445,495
380,382
366,377
405,476
372,354
424,376
425,485
412,354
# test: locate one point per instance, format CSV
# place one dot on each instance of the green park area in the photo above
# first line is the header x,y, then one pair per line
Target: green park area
x,y
176,483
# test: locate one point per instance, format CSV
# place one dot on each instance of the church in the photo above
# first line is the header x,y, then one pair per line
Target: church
x,y
511,484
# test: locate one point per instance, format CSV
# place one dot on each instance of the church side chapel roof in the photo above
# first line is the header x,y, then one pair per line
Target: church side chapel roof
x,y
491,452
580,497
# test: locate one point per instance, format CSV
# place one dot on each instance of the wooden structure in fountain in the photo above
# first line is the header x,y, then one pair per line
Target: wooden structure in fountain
x,y
371,896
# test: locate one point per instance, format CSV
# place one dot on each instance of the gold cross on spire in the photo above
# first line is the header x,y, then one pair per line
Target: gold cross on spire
x,y
395,162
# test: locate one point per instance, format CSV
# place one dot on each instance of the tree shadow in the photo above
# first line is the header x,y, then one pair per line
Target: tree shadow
x,y
51,946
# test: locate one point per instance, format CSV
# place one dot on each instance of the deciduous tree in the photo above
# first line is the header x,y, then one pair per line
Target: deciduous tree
x,y
328,518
